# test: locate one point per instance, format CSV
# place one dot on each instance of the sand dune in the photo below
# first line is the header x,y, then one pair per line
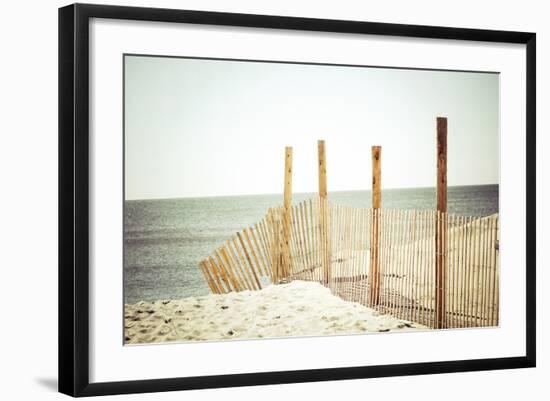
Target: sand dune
x,y
299,308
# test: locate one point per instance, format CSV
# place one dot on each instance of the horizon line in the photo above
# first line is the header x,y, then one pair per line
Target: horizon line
x,y
297,193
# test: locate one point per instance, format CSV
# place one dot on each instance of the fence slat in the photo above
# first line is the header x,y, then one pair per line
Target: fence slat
x,y
249,260
259,250
234,267
224,272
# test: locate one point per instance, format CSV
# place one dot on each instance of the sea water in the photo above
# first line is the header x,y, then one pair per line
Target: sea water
x,y
164,239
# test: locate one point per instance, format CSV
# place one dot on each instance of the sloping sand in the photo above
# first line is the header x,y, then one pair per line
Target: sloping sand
x,y
299,308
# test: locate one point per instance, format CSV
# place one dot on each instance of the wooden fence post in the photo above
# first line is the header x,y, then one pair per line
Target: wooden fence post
x,y
287,210
323,212
374,275
322,169
441,222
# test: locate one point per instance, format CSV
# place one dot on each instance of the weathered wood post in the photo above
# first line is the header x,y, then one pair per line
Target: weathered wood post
x,y
374,274
287,211
323,212
441,222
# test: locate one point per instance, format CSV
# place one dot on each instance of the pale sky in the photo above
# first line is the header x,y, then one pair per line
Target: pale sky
x,y
198,128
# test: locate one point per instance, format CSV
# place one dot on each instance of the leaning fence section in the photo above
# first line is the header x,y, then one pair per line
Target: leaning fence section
x,y
317,240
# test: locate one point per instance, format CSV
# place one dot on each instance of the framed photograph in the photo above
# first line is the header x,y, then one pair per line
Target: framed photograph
x,y
252,199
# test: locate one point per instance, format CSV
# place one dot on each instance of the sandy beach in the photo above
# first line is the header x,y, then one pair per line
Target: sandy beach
x,y
299,308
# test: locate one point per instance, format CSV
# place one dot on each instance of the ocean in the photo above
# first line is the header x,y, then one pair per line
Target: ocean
x,y
164,239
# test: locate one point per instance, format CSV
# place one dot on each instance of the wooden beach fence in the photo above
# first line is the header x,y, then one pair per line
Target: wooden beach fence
x,y
429,267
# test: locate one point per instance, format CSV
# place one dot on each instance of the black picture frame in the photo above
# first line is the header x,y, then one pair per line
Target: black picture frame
x,y
74,193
